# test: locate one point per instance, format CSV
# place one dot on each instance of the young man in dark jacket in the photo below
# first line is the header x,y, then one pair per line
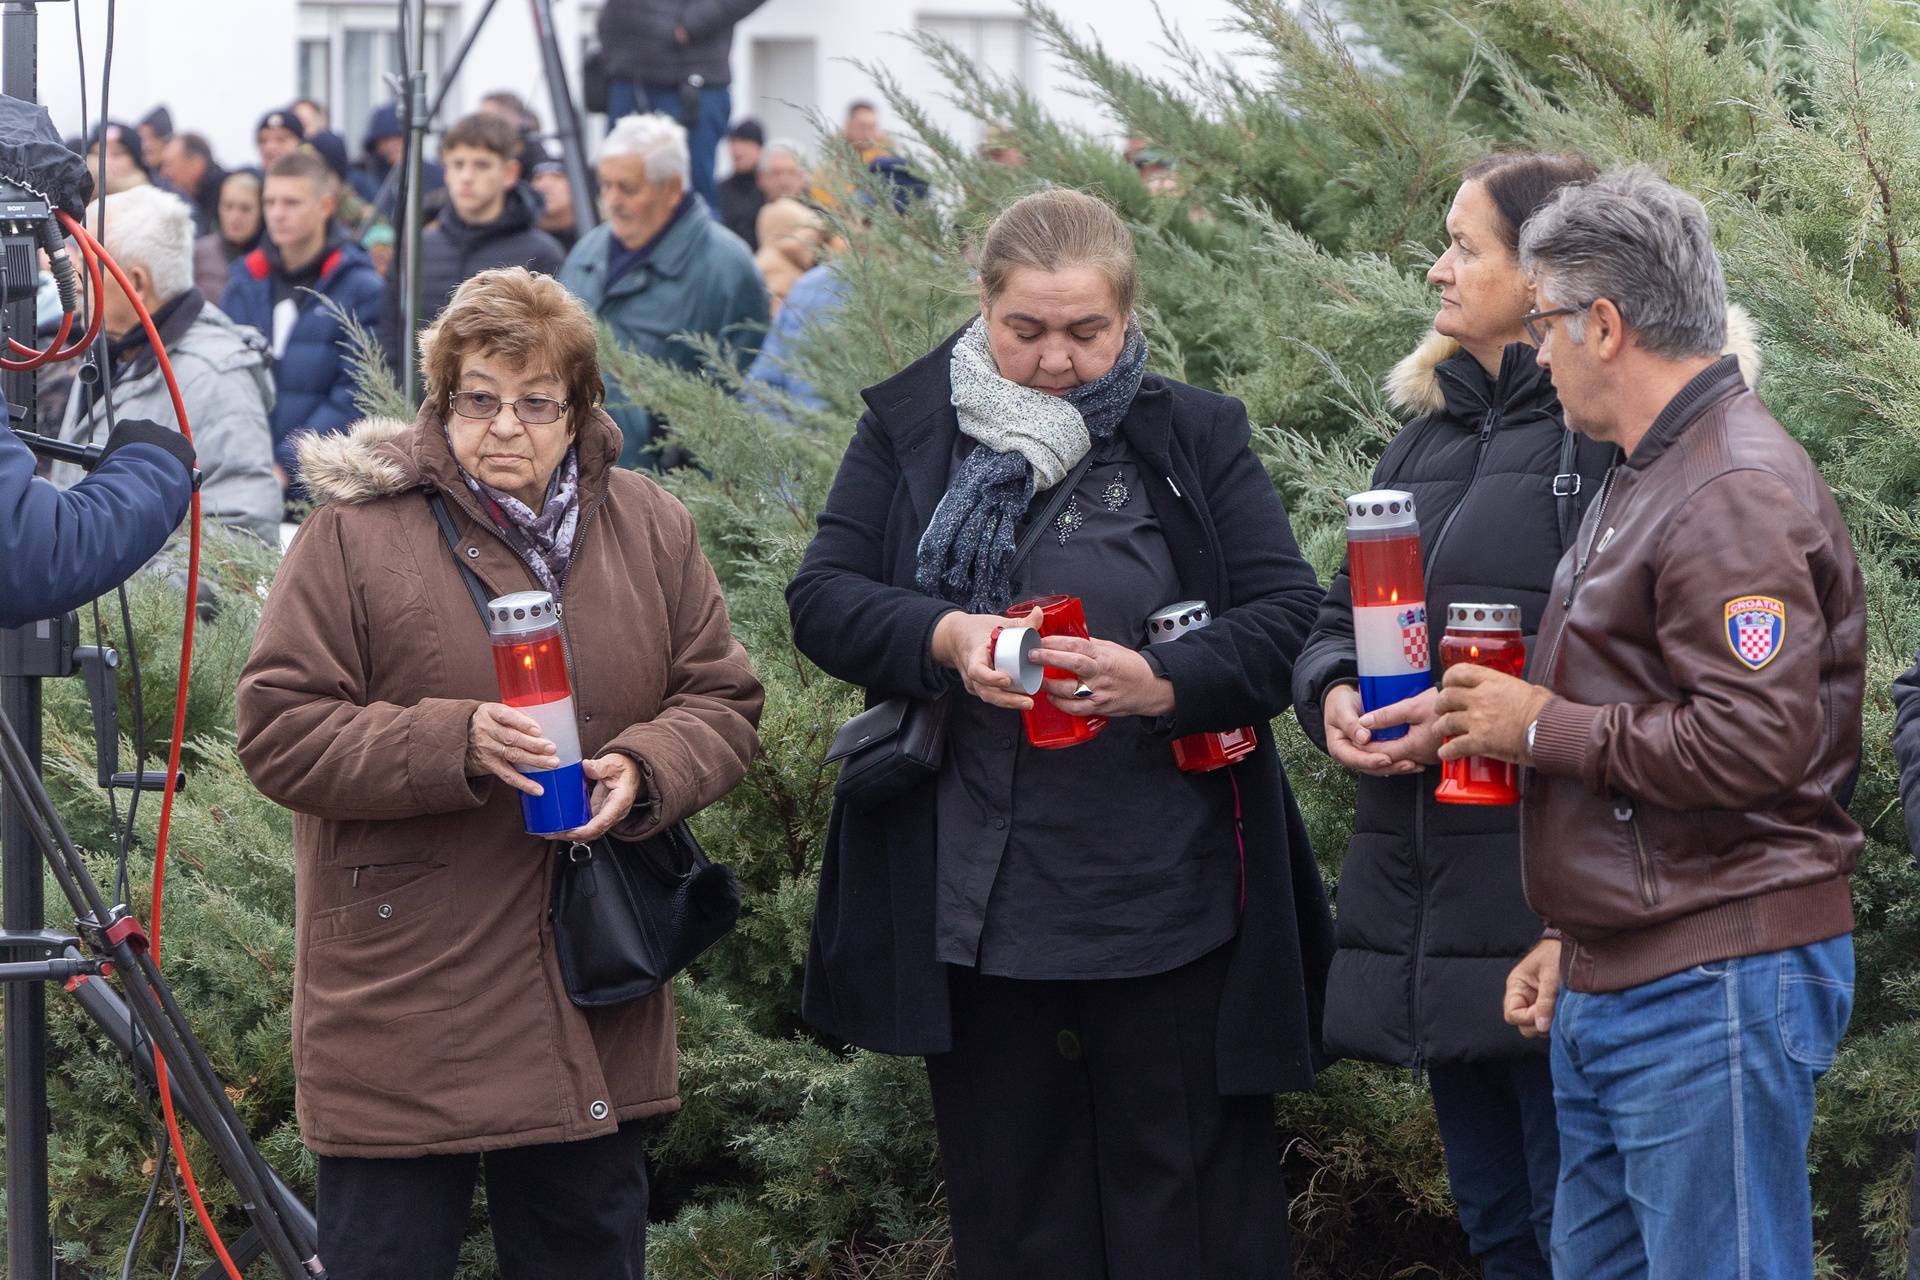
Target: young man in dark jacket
x,y
488,221
675,57
279,288
1692,729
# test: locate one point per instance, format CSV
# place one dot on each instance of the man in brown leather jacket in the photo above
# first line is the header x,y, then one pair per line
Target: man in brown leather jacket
x,y
1692,730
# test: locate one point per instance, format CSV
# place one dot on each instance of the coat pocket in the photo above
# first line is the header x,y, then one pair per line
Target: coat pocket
x,y
376,995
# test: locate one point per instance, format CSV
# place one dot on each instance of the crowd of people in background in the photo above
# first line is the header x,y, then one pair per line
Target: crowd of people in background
x,y
291,252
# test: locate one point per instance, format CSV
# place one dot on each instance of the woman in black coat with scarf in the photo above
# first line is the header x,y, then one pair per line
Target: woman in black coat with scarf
x,y
1108,963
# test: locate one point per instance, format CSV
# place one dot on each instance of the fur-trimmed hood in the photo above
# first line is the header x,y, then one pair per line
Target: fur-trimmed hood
x,y
1413,385
359,465
384,457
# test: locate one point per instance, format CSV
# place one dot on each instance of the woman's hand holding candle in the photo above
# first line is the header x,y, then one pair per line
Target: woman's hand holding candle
x,y
964,642
616,787
502,741
1121,682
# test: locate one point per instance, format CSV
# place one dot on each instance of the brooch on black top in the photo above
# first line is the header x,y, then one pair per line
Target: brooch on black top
x,y
1116,495
1069,521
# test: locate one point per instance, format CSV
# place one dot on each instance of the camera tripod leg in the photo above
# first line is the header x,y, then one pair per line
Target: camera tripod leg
x,y
150,1002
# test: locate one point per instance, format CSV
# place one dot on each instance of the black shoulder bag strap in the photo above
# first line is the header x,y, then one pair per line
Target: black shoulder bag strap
x,y
1566,486
1062,492
468,576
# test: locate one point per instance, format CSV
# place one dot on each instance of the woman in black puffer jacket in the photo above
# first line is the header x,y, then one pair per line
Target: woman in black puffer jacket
x,y
1430,913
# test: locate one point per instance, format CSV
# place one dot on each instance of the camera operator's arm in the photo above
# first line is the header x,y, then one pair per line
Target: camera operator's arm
x,y
61,548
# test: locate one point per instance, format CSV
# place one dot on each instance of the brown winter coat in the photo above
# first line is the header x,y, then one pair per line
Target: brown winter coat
x,y
429,1014
1687,802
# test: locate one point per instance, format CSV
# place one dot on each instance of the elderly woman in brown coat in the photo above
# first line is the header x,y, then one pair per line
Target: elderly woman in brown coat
x,y
430,1019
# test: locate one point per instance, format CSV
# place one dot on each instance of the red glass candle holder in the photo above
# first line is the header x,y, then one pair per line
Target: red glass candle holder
x,y
1389,601
1048,727
1197,752
1482,635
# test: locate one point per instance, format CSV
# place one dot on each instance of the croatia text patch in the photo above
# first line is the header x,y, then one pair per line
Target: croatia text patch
x,y
1756,629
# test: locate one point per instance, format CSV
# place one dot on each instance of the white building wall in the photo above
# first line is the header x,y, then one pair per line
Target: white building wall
x,y
219,64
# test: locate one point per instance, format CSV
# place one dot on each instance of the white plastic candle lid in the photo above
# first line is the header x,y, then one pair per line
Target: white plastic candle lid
x,y
1483,617
521,612
1013,654
1380,509
1177,620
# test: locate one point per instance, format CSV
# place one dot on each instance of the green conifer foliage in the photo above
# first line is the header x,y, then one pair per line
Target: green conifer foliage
x,y
1287,270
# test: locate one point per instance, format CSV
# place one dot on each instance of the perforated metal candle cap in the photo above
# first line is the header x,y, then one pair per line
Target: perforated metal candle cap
x,y
1380,509
1483,617
521,613
1177,620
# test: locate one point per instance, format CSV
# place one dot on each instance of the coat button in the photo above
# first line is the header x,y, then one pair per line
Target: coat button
x,y
473,553
1069,1046
597,1109
999,824
386,911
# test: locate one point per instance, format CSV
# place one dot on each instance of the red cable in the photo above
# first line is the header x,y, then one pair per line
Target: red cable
x,y
94,249
54,354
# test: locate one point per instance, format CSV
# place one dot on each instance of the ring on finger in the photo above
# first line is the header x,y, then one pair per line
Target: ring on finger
x,y
1082,690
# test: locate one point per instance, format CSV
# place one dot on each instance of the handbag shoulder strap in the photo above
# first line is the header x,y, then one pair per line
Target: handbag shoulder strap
x,y
1061,493
452,538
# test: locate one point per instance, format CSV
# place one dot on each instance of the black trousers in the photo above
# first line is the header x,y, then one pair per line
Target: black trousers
x,y
1503,1159
561,1211
1082,1135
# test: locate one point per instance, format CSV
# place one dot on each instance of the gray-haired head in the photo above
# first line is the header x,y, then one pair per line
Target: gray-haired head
x,y
1642,243
658,139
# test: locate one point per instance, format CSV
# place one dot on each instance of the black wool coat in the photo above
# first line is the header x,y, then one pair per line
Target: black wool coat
x,y
871,976
1432,916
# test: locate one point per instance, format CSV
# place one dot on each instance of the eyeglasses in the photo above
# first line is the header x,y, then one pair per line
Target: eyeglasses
x,y
534,411
1536,332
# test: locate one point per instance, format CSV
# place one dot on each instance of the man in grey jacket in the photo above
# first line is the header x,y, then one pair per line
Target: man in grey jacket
x,y
221,367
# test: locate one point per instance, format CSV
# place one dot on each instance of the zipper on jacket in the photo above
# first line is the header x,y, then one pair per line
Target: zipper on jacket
x,y
1419,922
1489,422
1623,812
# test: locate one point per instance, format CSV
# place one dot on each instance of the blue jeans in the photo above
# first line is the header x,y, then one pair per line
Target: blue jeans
x,y
1685,1107
1503,1158
705,118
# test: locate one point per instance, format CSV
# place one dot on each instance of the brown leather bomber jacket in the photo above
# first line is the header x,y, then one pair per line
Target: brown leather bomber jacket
x,y
1706,646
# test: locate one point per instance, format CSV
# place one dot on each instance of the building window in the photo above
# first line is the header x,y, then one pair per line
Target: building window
x,y
1003,46
348,51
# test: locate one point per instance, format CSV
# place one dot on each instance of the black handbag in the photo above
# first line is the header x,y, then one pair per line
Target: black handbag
x,y
897,744
627,914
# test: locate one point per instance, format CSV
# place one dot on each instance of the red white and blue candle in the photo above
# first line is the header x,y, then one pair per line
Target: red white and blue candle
x,y
1389,600
530,658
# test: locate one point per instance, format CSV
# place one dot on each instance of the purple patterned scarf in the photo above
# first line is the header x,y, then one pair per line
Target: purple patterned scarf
x,y
543,539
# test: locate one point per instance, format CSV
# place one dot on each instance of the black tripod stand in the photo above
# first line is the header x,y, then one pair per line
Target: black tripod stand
x,y
417,116
145,1020
282,1227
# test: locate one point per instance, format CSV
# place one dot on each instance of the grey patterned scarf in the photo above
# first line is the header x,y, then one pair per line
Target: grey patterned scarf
x,y
544,539
1027,441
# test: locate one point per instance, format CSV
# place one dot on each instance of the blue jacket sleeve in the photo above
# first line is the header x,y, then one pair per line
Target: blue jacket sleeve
x,y
59,549
363,304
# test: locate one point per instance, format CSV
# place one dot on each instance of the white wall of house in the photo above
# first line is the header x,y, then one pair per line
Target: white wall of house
x,y
219,64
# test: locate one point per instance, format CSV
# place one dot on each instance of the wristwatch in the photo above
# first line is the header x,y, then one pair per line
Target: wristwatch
x,y
1531,726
